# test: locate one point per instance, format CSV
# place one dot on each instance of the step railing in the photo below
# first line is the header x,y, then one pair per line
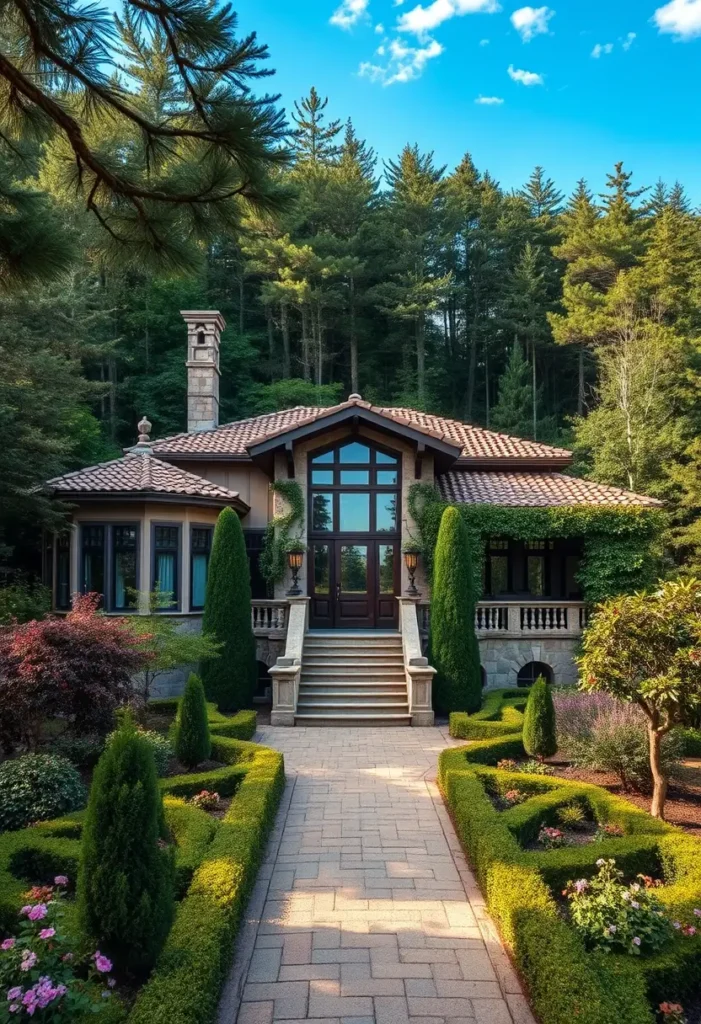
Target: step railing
x,y
269,618
522,618
419,674
286,671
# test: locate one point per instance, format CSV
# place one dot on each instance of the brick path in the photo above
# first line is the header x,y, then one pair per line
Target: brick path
x,y
365,910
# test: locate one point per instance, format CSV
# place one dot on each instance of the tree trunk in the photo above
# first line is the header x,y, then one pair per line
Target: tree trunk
x,y
421,361
659,779
580,385
355,386
306,366
271,340
285,329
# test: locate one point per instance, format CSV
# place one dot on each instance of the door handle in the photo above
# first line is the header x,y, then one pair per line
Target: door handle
x,y
338,591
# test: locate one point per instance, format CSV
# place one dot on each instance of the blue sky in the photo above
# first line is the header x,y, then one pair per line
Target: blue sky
x,y
574,86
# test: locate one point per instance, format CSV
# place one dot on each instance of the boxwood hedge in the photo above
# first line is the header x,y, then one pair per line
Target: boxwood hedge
x,y
565,980
216,865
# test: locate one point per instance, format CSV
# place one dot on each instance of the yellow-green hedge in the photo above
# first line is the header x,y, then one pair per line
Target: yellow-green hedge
x,y
566,982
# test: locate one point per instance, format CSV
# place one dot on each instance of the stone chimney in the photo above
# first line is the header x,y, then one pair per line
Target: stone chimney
x,y
204,329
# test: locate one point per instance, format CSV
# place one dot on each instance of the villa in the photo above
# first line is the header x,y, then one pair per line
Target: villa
x,y
342,637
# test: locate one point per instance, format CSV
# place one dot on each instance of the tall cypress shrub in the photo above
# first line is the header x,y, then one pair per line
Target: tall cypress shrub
x,y
192,742
454,650
229,680
125,877
539,735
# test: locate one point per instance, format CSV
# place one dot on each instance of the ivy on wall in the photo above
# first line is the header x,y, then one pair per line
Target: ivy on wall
x,y
621,544
277,541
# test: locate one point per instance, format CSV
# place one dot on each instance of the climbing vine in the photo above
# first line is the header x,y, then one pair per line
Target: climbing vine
x,y
277,540
621,545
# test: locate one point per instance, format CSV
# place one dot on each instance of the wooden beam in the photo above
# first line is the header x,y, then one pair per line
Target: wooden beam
x,y
418,465
290,461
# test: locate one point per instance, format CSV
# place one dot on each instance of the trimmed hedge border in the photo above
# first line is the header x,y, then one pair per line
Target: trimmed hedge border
x,y
217,863
565,980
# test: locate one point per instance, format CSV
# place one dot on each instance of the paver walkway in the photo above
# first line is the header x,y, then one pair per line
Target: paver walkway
x,y
366,910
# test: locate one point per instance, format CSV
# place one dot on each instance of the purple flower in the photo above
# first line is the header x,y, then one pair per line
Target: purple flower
x,y
25,910
61,880
697,913
47,933
38,912
581,885
636,941
102,964
112,982
14,993
676,924
13,1007
7,943
28,961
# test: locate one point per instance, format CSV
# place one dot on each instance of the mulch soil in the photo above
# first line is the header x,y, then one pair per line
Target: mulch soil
x,y
683,805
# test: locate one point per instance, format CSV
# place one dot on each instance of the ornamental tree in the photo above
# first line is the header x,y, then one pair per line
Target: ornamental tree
x,y
192,742
539,721
453,642
229,679
646,649
74,670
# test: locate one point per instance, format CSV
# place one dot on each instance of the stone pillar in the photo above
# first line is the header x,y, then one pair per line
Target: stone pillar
x,y
204,329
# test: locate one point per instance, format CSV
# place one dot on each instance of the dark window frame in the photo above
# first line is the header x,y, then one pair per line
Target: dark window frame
x,y
209,528
62,549
108,554
178,565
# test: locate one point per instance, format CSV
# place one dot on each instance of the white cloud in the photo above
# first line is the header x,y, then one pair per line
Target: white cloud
x,y
484,42
629,40
422,19
405,62
600,49
349,13
681,18
489,101
524,77
531,21
379,28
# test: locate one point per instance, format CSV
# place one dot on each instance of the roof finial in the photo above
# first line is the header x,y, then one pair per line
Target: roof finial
x,y
144,428
355,397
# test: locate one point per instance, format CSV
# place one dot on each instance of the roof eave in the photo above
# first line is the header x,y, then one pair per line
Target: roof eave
x,y
157,497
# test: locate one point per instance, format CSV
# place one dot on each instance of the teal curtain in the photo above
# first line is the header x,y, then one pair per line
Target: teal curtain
x,y
199,580
165,574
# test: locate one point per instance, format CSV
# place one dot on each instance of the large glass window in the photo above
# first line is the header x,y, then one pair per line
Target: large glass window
x,y
93,560
322,511
354,569
166,566
200,547
354,512
322,567
124,574
354,452
386,513
386,567
354,488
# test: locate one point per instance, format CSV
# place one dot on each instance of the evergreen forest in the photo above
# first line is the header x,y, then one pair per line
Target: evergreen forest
x,y
572,319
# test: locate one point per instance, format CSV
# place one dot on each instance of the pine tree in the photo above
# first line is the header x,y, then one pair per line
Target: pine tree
x,y
454,651
513,412
229,680
313,140
539,735
192,742
125,879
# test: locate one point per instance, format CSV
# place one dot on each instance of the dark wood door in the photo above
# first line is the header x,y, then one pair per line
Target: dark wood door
x,y
353,583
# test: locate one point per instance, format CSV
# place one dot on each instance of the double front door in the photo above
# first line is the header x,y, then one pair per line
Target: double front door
x,y
354,582
354,536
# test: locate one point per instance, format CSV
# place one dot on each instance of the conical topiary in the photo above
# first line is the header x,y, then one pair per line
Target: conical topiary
x,y
454,651
192,742
229,680
125,878
539,736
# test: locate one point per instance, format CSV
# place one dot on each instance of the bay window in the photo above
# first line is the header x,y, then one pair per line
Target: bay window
x,y
108,565
165,565
200,549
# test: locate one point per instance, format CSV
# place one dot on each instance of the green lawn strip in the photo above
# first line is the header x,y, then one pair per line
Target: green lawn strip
x,y
521,887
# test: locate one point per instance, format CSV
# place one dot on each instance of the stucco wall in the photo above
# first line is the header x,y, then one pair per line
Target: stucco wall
x,y
252,484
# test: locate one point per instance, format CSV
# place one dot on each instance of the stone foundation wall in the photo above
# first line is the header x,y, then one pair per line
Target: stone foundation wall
x,y
502,658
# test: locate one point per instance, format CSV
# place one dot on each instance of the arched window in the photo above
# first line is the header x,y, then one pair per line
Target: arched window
x,y
532,670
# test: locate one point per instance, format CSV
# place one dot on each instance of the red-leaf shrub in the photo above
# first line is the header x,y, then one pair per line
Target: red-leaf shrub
x,y
76,669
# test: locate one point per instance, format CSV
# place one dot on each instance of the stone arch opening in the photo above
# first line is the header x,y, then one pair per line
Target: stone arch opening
x,y
531,671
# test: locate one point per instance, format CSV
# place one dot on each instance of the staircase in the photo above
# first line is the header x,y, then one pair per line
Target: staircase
x,y
354,678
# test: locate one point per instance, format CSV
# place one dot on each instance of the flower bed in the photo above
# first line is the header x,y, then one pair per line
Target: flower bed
x,y
216,865
523,887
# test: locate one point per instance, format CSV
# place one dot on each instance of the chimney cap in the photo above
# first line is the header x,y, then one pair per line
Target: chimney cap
x,y
192,316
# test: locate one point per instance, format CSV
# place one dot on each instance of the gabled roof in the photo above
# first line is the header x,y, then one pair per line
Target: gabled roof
x,y
139,474
467,444
473,487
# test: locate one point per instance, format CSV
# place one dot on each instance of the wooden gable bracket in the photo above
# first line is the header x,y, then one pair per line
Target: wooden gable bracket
x,y
290,461
418,465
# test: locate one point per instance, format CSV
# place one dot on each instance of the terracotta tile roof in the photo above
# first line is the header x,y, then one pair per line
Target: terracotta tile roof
x,y
140,473
535,489
476,443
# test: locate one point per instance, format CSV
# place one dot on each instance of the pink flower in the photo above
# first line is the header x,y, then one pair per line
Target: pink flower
x,y
61,880
697,913
29,958
25,910
636,941
66,957
102,964
38,912
13,1007
7,943
14,993
47,933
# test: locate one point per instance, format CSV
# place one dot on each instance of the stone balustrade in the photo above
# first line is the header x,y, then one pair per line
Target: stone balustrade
x,y
269,618
522,619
